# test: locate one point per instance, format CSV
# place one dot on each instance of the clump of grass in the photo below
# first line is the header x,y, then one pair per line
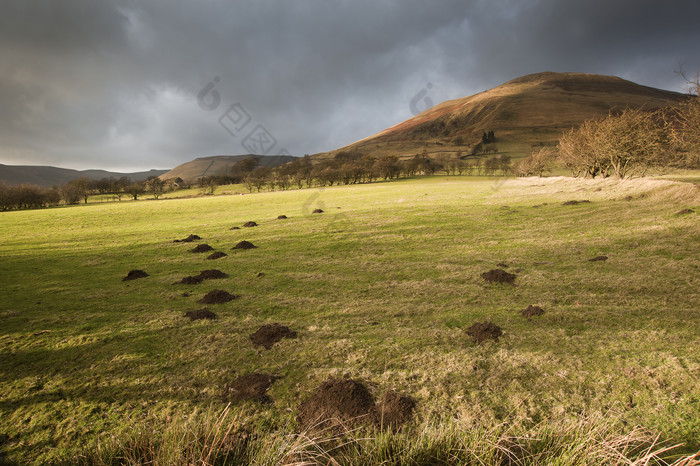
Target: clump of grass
x,y
220,439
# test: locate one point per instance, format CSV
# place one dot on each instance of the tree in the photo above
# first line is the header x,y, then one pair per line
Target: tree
x,y
155,185
623,143
135,190
537,163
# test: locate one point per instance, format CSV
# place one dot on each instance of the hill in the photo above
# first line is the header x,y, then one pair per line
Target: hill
x,y
219,165
48,176
523,113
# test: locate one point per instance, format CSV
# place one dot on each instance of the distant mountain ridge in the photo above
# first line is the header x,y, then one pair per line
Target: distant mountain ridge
x,y
219,165
523,113
47,176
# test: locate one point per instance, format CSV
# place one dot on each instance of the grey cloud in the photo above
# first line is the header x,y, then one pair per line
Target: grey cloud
x,y
113,84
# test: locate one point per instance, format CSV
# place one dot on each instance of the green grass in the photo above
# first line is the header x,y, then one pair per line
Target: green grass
x,y
379,287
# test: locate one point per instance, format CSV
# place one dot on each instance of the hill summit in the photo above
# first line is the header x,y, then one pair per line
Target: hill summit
x,y
526,112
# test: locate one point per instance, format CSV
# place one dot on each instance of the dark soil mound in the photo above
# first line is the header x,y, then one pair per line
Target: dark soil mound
x,y
189,239
212,274
189,281
498,276
250,224
598,259
486,331
317,211
269,334
216,255
134,274
202,248
685,212
281,217
251,387
245,245
200,314
532,311
217,297
574,202
395,409
337,404
235,228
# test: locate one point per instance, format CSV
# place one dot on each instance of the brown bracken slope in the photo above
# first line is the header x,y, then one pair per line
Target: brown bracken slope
x,y
523,113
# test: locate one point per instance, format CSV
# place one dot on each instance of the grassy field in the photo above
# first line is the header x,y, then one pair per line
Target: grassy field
x,y
380,287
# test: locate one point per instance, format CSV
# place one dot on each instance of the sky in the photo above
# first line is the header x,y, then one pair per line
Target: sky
x,y
130,85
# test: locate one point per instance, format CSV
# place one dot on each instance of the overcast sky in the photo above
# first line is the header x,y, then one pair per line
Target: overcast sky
x,y
114,85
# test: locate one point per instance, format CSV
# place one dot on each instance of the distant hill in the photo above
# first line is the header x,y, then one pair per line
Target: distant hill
x,y
49,176
523,113
220,165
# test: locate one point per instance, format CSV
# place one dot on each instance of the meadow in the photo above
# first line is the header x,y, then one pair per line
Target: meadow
x,y
380,288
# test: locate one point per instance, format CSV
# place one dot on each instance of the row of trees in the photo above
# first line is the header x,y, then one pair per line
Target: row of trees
x,y
27,196
353,168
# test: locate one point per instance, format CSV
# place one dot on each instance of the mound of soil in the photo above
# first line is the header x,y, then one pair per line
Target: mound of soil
x,y
216,255
281,217
486,331
217,297
532,311
250,224
498,276
235,228
189,281
337,404
395,409
317,211
575,202
212,274
200,314
269,334
251,387
202,248
245,245
134,274
189,239
685,212
598,259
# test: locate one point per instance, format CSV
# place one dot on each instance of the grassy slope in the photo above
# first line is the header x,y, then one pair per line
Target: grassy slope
x,y
380,287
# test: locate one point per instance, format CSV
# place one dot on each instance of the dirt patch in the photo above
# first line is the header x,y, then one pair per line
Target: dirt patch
x,y
216,255
498,276
395,409
269,334
134,274
317,211
235,228
502,264
575,202
189,281
217,297
281,217
202,248
250,224
244,245
212,274
251,387
259,274
598,259
532,311
685,212
338,404
486,331
189,239
200,314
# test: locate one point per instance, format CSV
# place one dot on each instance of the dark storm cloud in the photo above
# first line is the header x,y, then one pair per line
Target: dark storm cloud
x,y
114,84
